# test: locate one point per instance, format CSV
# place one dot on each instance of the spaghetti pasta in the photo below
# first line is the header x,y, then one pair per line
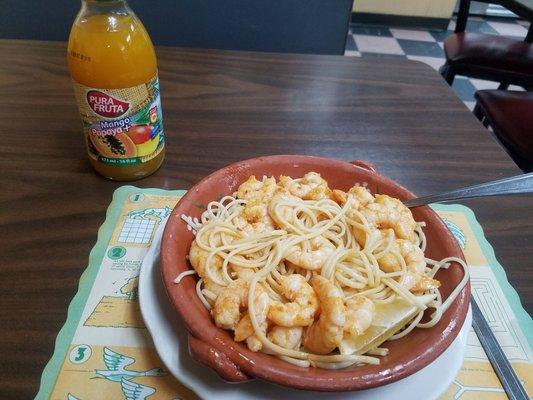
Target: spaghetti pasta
x,y
366,249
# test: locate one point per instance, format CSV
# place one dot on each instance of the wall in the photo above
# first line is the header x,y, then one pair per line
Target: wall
x,y
418,8
297,26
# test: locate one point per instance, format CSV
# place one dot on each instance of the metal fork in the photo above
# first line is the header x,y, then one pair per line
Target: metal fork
x,y
501,365
520,184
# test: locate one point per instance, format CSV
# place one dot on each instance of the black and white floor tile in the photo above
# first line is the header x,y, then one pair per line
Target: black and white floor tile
x,y
366,40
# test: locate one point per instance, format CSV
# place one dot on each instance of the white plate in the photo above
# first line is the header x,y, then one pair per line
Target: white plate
x,y
170,339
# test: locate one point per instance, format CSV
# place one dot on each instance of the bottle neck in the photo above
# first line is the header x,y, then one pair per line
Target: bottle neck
x,y
98,7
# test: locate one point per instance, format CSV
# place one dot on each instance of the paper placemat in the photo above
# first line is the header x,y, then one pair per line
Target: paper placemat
x,y
104,330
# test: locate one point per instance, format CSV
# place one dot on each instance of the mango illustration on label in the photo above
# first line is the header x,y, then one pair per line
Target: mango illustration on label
x,y
122,127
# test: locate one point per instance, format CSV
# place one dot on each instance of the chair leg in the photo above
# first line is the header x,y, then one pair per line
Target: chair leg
x,y
478,112
503,86
480,115
447,74
462,16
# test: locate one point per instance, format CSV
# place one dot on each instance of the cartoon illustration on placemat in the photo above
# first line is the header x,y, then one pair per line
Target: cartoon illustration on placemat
x,y
116,367
117,373
135,391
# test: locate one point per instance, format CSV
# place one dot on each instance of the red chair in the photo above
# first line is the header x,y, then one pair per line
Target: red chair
x,y
490,57
510,114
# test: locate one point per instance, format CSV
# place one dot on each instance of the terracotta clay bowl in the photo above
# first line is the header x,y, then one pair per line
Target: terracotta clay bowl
x,y
233,361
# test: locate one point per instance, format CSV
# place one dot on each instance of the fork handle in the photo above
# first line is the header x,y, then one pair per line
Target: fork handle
x,y
519,184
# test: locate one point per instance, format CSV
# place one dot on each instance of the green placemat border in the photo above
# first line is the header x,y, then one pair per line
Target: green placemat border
x,y
524,319
75,309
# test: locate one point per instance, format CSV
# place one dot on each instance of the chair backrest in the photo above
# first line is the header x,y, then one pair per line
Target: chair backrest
x,y
522,8
298,26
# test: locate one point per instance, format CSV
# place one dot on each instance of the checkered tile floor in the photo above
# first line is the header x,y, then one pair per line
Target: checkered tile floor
x,y
426,46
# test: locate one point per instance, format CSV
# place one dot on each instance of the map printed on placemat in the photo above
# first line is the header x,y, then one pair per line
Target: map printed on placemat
x,y
104,350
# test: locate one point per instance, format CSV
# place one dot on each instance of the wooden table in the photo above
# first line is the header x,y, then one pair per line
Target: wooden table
x,y
219,107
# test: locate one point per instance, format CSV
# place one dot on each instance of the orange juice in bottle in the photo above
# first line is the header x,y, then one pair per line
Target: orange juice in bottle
x,y
114,72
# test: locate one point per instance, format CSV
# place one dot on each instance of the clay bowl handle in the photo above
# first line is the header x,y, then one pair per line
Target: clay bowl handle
x,y
365,165
216,360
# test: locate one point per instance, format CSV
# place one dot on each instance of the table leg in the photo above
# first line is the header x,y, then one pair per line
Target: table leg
x,y
462,16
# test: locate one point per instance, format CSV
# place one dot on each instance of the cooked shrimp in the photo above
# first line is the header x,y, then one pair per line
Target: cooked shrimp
x,y
254,216
254,343
256,210
415,280
388,212
212,289
229,304
253,189
242,272
324,335
359,314
311,187
360,194
198,258
314,259
249,228
251,225
244,329
278,211
303,306
413,256
420,283
361,197
389,261
290,338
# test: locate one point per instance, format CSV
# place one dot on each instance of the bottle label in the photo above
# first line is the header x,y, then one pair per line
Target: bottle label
x,y
122,127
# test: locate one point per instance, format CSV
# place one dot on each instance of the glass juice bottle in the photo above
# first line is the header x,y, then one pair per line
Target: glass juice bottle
x,y
114,73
